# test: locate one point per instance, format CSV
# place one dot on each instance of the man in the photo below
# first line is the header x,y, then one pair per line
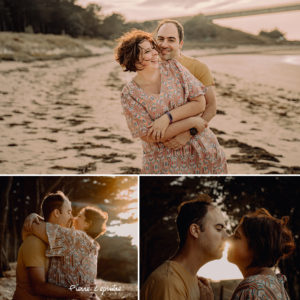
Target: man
x,y
202,235
32,264
169,35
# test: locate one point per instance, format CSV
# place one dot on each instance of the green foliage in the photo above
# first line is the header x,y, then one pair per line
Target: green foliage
x,y
199,28
75,25
50,16
273,34
112,26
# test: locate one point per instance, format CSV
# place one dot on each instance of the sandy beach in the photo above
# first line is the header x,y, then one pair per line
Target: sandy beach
x,y
65,116
106,290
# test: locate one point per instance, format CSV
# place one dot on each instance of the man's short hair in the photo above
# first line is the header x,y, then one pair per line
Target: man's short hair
x,y
176,23
51,202
189,212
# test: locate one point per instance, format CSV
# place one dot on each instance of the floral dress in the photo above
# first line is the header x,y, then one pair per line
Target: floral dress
x,y
73,257
201,155
261,287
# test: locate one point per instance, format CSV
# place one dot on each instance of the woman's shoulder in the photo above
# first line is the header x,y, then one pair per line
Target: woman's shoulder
x,y
87,239
129,91
258,285
265,278
127,87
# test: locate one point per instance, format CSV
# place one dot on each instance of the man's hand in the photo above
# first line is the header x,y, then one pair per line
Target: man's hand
x,y
32,218
206,292
158,128
199,123
178,141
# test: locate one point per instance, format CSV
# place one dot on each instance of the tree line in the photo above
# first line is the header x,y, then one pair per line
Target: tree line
x,y
58,17
66,17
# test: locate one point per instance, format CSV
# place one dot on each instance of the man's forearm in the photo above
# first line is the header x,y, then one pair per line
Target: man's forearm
x,y
51,290
211,105
173,130
189,109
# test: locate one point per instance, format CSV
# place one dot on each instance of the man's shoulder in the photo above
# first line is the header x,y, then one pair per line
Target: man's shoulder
x,y
198,69
34,239
192,61
32,252
165,273
33,242
164,283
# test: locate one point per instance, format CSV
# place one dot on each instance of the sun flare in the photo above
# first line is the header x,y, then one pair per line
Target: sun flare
x,y
220,269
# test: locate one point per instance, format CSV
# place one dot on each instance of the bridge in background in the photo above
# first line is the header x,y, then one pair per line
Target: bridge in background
x,y
251,12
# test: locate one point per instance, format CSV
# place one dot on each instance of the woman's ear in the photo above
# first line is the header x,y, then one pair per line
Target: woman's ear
x,y
88,224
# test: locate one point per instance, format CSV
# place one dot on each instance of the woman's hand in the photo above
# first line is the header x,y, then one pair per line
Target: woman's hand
x,y
158,128
178,141
206,291
84,295
199,123
30,219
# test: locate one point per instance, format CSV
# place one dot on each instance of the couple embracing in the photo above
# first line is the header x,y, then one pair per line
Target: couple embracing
x,y
256,246
169,103
57,260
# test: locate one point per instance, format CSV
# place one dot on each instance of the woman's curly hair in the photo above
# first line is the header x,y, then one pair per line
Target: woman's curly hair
x,y
127,53
268,237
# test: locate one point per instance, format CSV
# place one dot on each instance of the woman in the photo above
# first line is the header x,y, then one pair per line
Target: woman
x,y
73,252
162,101
259,242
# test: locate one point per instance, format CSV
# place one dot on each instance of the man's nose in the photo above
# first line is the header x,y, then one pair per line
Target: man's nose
x,y
164,43
225,235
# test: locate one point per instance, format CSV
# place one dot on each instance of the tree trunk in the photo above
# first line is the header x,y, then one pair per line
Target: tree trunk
x,y
3,222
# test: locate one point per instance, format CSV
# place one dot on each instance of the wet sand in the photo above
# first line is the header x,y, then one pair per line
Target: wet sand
x,y
64,116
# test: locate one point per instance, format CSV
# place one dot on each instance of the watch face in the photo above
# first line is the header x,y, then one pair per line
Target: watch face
x,y
193,131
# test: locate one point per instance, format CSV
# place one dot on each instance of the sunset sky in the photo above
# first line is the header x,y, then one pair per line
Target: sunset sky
x,y
140,10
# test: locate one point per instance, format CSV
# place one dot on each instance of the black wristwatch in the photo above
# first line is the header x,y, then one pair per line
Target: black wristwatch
x,y
193,131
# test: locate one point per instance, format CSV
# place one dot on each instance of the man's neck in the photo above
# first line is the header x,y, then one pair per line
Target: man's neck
x,y
190,260
178,55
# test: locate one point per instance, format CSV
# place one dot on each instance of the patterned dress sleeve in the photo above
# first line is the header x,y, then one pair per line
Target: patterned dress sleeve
x,y
192,86
137,117
246,294
63,240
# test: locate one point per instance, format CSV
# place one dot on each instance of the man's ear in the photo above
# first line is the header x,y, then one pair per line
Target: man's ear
x,y
181,45
194,230
56,212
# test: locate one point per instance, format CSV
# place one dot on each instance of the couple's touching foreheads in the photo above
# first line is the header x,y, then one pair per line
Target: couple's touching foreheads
x,y
58,256
256,246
